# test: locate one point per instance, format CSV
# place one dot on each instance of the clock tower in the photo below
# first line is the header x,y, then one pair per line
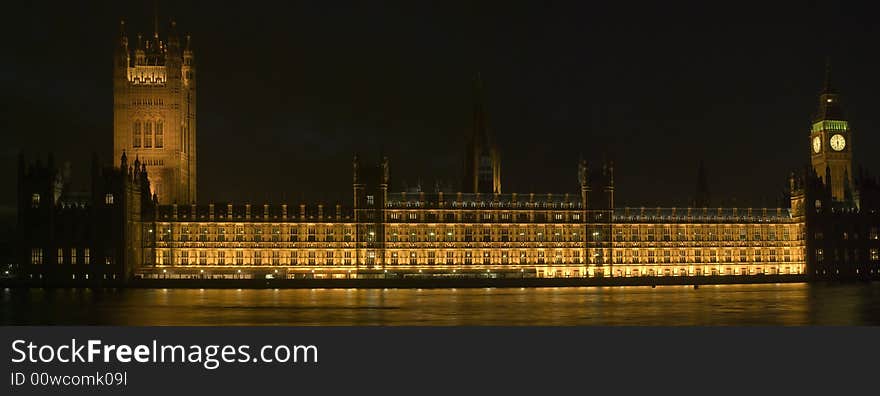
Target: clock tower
x,y
831,143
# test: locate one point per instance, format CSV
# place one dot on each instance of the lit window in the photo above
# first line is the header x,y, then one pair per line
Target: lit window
x,y
36,256
160,134
136,134
60,256
108,199
35,201
86,256
148,134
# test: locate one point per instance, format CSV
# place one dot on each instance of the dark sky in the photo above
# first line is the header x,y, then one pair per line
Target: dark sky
x,y
288,91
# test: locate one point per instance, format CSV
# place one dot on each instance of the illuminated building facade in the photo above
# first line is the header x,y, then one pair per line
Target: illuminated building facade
x,y
143,220
472,235
154,111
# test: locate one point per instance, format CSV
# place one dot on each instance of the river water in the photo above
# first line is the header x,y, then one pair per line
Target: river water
x,y
724,305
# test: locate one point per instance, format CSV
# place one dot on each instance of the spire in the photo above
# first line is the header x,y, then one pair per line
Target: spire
x,y
156,19
827,88
829,101
481,123
122,37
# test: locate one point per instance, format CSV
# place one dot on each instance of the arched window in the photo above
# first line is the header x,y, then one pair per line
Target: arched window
x,y
148,134
136,134
160,138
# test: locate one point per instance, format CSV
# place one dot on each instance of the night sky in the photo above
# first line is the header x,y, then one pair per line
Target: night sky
x,y
289,92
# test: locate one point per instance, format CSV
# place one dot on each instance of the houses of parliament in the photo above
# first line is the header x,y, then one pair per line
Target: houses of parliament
x,y
142,218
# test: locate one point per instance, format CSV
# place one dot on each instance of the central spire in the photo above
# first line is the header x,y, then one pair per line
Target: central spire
x,y
830,107
482,167
827,88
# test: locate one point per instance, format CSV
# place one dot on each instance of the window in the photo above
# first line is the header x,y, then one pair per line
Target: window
x,y
294,237
328,257
60,256
370,200
35,201
258,257
36,256
136,134
160,132
872,235
875,254
73,255
221,258
148,134
820,255
86,256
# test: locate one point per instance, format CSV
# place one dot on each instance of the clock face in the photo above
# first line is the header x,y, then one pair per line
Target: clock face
x,y
838,142
817,144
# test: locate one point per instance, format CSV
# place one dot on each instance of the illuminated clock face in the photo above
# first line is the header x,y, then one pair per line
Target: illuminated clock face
x,y
838,142
817,144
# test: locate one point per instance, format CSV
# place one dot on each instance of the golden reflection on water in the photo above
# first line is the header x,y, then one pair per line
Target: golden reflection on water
x,y
710,305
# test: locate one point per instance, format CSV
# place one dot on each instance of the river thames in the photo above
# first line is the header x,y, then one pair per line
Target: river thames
x,y
720,305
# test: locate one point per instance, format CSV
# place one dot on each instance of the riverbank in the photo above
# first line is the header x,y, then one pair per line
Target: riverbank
x,y
423,283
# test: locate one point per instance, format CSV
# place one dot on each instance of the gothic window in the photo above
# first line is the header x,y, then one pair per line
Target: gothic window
x,y
160,134
136,134
36,256
148,134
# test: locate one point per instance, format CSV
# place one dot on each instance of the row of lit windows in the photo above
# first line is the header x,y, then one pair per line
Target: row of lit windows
x,y
666,233
451,217
148,102
71,256
142,134
488,204
636,256
847,255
